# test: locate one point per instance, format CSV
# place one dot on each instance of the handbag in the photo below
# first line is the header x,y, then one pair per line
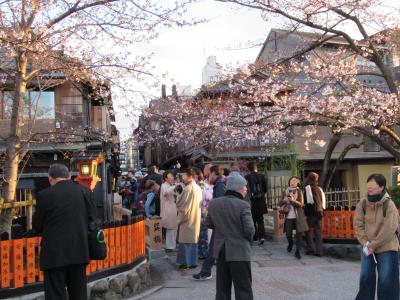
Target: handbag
x,y
284,209
96,242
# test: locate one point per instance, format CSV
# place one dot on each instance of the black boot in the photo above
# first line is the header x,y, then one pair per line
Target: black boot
x,y
297,254
289,247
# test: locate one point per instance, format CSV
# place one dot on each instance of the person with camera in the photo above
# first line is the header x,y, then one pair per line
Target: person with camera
x,y
291,206
169,213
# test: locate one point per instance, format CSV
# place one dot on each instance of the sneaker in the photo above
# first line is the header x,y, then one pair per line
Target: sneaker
x,y
261,242
201,277
289,248
182,267
193,267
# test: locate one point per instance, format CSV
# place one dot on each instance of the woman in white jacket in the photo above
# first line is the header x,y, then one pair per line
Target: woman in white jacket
x,y
169,214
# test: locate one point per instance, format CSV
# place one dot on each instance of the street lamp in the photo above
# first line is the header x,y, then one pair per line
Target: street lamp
x,y
87,172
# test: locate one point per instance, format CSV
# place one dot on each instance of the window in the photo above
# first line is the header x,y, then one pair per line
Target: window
x,y
7,99
41,105
37,105
370,145
72,104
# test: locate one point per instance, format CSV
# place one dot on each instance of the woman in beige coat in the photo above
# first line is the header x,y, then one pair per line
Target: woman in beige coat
x,y
189,218
376,224
169,213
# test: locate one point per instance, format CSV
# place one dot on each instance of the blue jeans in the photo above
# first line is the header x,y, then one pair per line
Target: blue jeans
x,y
388,276
209,261
203,241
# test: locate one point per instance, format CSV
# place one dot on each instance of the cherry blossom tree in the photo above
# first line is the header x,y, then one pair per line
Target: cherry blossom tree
x,y
87,42
267,100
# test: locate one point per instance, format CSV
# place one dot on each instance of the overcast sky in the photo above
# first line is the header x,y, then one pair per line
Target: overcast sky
x,y
181,52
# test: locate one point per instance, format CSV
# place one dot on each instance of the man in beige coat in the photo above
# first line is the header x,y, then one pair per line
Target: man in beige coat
x,y
376,222
189,218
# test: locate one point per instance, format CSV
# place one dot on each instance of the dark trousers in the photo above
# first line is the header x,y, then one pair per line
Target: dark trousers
x,y
387,269
258,220
316,223
290,225
209,261
238,272
73,277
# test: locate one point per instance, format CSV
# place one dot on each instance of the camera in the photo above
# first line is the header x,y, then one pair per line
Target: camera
x,y
178,189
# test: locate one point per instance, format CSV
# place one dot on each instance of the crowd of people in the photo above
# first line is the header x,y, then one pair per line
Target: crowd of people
x,y
214,215
185,199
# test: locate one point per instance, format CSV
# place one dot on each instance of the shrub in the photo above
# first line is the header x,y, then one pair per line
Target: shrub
x,y
394,192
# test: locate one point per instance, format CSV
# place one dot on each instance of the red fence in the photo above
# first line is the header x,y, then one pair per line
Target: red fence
x,y
19,263
338,225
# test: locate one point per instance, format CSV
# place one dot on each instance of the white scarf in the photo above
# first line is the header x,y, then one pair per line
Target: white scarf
x,y
310,197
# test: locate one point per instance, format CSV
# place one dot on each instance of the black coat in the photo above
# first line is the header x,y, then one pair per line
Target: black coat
x,y
257,189
61,219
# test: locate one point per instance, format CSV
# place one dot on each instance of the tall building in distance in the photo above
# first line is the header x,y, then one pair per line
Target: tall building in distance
x,y
211,71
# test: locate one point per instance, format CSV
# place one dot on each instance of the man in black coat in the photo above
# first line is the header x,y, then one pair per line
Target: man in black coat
x,y
257,185
61,219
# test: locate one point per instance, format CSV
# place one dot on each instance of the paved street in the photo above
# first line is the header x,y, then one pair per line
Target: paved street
x,y
276,275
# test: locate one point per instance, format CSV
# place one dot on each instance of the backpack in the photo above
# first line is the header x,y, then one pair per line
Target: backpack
x,y
384,210
256,190
156,203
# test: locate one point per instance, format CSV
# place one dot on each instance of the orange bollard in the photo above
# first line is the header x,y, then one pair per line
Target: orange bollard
x,y
5,263
111,241
118,245
17,259
106,262
124,237
30,260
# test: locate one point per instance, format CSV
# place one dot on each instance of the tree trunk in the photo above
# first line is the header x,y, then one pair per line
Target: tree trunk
x,y
340,159
326,172
13,151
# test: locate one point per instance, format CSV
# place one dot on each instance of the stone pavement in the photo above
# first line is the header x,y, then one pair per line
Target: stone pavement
x,y
276,275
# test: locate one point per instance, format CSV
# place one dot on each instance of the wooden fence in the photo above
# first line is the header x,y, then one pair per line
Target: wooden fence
x,y
19,259
276,186
342,197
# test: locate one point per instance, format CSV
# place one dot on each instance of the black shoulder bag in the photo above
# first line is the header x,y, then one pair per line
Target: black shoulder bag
x,y
96,241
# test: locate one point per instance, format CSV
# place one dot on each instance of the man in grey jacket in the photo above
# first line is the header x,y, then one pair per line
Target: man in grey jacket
x,y
230,218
